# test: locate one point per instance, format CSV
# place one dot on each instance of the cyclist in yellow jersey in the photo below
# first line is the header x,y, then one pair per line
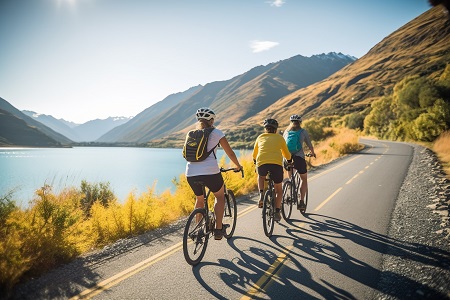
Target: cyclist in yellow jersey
x,y
268,153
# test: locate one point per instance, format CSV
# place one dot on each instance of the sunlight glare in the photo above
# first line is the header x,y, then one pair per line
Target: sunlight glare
x,y
70,2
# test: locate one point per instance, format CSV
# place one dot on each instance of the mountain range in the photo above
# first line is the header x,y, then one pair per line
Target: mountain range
x,y
320,85
235,100
86,132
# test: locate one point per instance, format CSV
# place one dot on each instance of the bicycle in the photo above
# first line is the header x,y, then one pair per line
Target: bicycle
x,y
290,188
268,209
200,224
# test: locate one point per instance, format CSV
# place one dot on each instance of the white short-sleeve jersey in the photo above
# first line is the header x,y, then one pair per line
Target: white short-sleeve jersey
x,y
209,165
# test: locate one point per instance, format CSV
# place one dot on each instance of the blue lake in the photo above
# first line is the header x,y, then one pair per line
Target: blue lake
x,y
24,170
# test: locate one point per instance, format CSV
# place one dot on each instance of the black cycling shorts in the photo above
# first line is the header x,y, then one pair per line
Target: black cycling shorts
x,y
213,182
276,172
299,164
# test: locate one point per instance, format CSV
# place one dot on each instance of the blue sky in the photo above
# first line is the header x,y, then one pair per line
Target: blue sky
x,y
90,59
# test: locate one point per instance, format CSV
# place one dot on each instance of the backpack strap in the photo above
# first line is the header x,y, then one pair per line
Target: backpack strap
x,y
212,149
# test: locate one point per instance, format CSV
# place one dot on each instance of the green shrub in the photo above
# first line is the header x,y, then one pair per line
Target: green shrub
x,y
93,192
354,121
418,109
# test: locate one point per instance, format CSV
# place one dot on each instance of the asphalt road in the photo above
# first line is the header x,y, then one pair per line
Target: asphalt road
x,y
333,252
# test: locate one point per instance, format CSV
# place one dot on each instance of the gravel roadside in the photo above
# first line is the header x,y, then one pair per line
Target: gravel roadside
x,y
416,266
417,263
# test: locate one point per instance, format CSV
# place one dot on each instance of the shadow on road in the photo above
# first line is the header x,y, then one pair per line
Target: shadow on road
x,y
314,243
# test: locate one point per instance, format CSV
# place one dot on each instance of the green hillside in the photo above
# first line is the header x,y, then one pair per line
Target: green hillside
x,y
16,132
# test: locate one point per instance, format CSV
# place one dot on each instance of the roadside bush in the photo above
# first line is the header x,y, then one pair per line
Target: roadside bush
x,y
93,192
354,121
47,234
417,110
318,130
7,206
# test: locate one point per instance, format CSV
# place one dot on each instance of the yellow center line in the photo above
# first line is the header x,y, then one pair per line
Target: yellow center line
x,y
267,276
328,199
107,283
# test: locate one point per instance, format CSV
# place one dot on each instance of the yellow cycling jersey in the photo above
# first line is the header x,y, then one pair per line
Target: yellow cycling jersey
x,y
269,149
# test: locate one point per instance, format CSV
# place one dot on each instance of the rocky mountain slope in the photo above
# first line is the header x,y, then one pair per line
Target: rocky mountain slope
x,y
234,100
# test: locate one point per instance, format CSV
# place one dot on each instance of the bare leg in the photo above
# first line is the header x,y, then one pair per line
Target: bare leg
x,y
261,180
219,207
200,202
279,194
304,186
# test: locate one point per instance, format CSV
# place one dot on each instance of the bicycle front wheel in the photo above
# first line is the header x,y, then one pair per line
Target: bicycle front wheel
x,y
268,211
287,200
195,237
230,215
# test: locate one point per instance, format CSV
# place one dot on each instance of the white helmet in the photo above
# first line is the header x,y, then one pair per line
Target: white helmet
x,y
205,113
295,118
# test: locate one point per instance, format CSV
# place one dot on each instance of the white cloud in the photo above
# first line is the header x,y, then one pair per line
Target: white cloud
x,y
259,46
277,3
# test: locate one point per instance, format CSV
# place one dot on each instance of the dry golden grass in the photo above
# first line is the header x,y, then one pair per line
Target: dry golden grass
x,y
442,148
343,142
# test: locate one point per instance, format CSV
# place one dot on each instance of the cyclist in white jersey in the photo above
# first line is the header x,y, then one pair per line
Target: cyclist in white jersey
x,y
208,170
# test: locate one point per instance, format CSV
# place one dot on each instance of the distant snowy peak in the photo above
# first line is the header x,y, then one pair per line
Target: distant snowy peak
x,y
121,118
32,114
334,55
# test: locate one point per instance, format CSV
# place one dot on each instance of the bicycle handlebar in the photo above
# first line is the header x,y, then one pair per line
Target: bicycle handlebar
x,y
222,169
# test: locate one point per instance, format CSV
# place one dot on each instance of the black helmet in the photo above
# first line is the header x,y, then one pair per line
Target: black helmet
x,y
270,123
295,118
205,113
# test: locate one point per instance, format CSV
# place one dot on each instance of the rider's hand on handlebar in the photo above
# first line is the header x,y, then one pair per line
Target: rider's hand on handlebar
x,y
310,154
239,169
289,165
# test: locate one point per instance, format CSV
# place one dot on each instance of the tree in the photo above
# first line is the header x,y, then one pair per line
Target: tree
x,y
445,3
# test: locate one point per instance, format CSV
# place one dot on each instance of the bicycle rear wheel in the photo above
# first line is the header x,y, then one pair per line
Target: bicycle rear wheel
x,y
230,215
195,237
287,200
268,211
